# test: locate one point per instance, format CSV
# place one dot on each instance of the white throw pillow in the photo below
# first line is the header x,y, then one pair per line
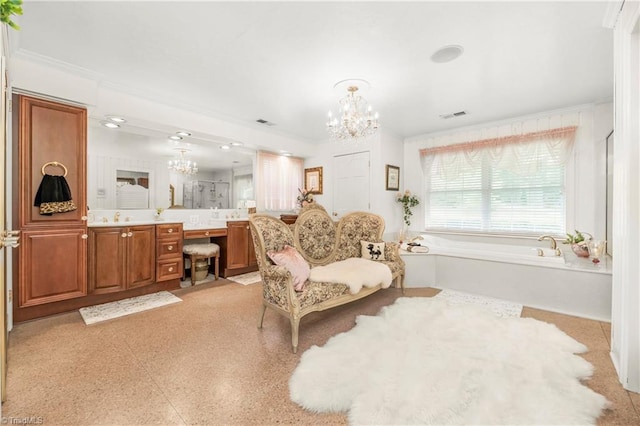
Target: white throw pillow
x,y
372,251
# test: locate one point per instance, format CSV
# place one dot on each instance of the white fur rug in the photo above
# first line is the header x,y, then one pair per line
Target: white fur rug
x,y
424,361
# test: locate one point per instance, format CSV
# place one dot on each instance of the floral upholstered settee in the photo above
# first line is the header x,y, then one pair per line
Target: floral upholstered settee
x,y
320,241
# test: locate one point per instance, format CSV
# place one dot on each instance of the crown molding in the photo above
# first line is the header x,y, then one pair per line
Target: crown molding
x,y
30,56
611,14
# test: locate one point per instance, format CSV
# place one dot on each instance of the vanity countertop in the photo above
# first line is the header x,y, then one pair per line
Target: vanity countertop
x,y
128,223
213,224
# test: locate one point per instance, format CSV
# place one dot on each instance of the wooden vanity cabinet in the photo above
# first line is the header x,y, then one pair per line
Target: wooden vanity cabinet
x,y
238,254
169,263
121,258
58,269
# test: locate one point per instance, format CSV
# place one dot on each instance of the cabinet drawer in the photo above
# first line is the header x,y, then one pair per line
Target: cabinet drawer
x,y
205,233
169,269
168,230
169,248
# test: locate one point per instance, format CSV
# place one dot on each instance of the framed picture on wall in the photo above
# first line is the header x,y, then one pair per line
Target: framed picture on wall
x,y
313,180
393,178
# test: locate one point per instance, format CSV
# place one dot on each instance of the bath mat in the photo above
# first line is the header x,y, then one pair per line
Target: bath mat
x,y
453,365
120,308
501,308
246,279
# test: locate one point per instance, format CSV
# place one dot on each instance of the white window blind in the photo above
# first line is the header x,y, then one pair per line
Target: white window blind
x,y
277,181
512,185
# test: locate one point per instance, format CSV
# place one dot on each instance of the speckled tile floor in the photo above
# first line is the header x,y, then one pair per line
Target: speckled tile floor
x,y
205,362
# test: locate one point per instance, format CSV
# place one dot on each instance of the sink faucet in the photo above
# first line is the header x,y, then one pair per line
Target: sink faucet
x,y
553,241
116,217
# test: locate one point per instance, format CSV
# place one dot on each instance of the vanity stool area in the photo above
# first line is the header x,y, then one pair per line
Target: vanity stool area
x,y
195,252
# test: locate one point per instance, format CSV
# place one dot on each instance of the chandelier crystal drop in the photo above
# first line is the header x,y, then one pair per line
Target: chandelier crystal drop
x,y
182,165
355,118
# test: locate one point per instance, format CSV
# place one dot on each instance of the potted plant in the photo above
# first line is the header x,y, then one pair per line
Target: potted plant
x,y
579,244
8,8
408,201
305,197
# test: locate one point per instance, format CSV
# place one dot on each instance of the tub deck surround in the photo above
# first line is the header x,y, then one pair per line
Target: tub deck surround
x,y
565,284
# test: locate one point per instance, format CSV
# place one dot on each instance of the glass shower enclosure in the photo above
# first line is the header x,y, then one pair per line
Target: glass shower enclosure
x,y
204,194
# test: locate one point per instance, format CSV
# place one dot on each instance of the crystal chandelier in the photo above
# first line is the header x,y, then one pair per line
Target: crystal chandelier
x,y
355,117
182,165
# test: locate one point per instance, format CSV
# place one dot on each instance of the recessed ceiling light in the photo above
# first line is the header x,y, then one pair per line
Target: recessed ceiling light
x,y
110,125
286,154
183,133
175,138
225,147
116,119
236,143
447,53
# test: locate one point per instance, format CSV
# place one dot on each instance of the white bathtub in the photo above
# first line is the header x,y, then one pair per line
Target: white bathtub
x,y
515,272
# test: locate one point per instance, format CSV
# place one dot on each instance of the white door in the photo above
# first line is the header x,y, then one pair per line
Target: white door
x,y
351,183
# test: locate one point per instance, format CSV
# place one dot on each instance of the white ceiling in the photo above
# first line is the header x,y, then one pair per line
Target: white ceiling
x,y
279,61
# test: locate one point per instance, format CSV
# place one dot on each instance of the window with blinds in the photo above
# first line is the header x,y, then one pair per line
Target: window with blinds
x,y
521,193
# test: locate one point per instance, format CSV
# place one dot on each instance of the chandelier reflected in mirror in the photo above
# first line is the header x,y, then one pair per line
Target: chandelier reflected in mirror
x,y
182,165
355,118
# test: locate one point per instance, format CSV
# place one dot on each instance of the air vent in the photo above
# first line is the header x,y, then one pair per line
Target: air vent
x,y
265,122
454,114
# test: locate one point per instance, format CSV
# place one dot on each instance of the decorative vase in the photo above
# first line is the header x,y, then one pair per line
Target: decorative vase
x,y
581,250
402,234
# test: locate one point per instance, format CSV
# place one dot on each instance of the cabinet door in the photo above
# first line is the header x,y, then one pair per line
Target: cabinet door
x,y
237,242
107,260
52,266
50,131
141,255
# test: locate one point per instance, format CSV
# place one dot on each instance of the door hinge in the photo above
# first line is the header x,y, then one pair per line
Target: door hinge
x,y
10,296
9,105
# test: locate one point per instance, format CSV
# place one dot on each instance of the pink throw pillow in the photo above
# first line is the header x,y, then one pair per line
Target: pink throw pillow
x,y
294,262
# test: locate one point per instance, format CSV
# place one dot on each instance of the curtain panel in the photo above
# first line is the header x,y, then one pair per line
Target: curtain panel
x,y
277,181
516,153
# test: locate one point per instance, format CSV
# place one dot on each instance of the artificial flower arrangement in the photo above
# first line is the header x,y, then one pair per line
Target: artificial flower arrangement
x,y
579,244
408,201
305,197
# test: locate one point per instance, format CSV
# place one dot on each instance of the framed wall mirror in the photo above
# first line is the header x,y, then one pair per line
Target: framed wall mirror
x,y
137,154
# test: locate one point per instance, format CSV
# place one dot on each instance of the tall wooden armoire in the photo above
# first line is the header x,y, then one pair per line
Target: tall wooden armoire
x,y
51,264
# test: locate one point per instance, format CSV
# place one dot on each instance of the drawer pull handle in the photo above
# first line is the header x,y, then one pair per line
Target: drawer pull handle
x,y
206,233
85,236
171,269
129,234
84,218
123,235
170,230
170,248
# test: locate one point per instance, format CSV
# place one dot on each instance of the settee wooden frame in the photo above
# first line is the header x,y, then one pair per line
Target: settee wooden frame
x,y
269,233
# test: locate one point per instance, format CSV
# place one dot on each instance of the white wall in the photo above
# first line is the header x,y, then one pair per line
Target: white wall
x,y
625,317
586,171
383,148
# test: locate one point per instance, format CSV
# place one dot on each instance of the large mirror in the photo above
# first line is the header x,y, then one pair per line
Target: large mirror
x,y
128,168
